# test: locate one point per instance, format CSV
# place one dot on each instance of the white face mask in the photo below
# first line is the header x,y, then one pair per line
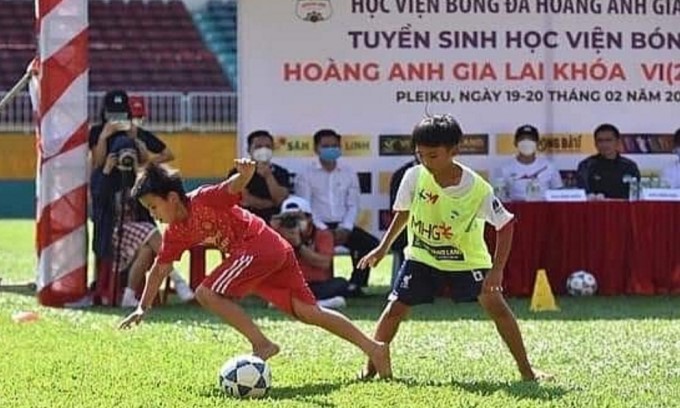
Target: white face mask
x,y
526,147
262,154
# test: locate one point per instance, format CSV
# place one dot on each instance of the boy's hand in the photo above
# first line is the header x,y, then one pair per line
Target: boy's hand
x,y
372,258
245,167
493,282
133,318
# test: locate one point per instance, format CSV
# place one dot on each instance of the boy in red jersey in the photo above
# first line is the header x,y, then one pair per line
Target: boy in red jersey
x,y
258,260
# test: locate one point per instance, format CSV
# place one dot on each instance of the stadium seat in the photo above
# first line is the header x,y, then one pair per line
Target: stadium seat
x,y
125,37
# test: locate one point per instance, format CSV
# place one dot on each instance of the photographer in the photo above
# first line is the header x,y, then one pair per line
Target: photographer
x,y
135,238
111,140
314,251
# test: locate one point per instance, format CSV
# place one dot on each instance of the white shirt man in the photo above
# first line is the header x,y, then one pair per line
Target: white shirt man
x,y
518,175
332,189
528,168
334,195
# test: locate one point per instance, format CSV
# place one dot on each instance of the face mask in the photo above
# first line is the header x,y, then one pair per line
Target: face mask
x,y
137,122
526,147
329,153
303,224
262,154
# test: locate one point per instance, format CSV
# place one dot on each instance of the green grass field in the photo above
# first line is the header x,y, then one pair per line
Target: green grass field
x,y
605,352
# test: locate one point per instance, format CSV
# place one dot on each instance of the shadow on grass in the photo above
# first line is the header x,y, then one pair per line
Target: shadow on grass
x,y
306,393
27,289
518,389
370,307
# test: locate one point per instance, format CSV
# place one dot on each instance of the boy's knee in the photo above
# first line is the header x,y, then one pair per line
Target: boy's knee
x,y
306,313
493,304
397,310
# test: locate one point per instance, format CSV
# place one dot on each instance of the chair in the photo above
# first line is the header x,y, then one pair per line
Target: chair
x,y
197,270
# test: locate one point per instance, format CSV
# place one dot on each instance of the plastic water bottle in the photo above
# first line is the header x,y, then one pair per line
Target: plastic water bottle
x,y
534,190
633,189
500,190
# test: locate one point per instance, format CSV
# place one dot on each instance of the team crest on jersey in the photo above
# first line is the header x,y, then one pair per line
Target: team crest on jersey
x,y
314,11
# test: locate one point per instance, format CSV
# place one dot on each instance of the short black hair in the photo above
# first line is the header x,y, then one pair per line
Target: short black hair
x,y
259,133
607,127
527,130
437,130
323,133
676,138
158,180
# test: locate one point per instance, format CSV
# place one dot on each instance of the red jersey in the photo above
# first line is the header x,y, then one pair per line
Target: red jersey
x,y
323,243
214,219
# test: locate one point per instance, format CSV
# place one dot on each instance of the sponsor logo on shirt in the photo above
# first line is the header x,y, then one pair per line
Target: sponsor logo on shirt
x,y
428,196
434,232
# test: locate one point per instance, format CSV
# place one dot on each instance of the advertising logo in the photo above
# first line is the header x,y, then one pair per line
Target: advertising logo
x,y
314,11
356,146
293,146
555,143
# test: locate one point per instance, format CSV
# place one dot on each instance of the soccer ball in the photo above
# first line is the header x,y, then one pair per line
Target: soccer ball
x,y
581,283
245,376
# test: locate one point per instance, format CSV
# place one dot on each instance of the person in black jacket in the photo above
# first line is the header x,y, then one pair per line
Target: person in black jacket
x,y
606,172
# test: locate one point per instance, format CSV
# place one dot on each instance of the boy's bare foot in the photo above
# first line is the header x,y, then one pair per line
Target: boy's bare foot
x,y
537,375
266,351
381,360
367,372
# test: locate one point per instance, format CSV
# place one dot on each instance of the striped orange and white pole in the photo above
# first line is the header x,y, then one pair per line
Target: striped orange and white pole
x,y
61,88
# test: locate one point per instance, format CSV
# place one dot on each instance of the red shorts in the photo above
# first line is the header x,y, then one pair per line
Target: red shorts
x,y
265,267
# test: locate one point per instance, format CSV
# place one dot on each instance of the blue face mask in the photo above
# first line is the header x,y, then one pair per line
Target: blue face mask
x,y
330,153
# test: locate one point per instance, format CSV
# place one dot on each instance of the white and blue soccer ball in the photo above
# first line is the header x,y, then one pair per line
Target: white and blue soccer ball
x,y
245,376
581,283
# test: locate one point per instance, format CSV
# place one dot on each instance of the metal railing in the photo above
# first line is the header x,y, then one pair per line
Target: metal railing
x,y
166,112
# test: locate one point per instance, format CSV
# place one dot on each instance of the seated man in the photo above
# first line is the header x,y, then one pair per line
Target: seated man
x,y
332,189
271,184
670,176
605,172
314,250
528,176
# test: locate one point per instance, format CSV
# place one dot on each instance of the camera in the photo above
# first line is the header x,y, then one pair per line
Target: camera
x,y
289,220
127,159
126,151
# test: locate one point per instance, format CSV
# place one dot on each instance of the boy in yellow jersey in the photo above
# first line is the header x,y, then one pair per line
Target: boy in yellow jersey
x,y
445,204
